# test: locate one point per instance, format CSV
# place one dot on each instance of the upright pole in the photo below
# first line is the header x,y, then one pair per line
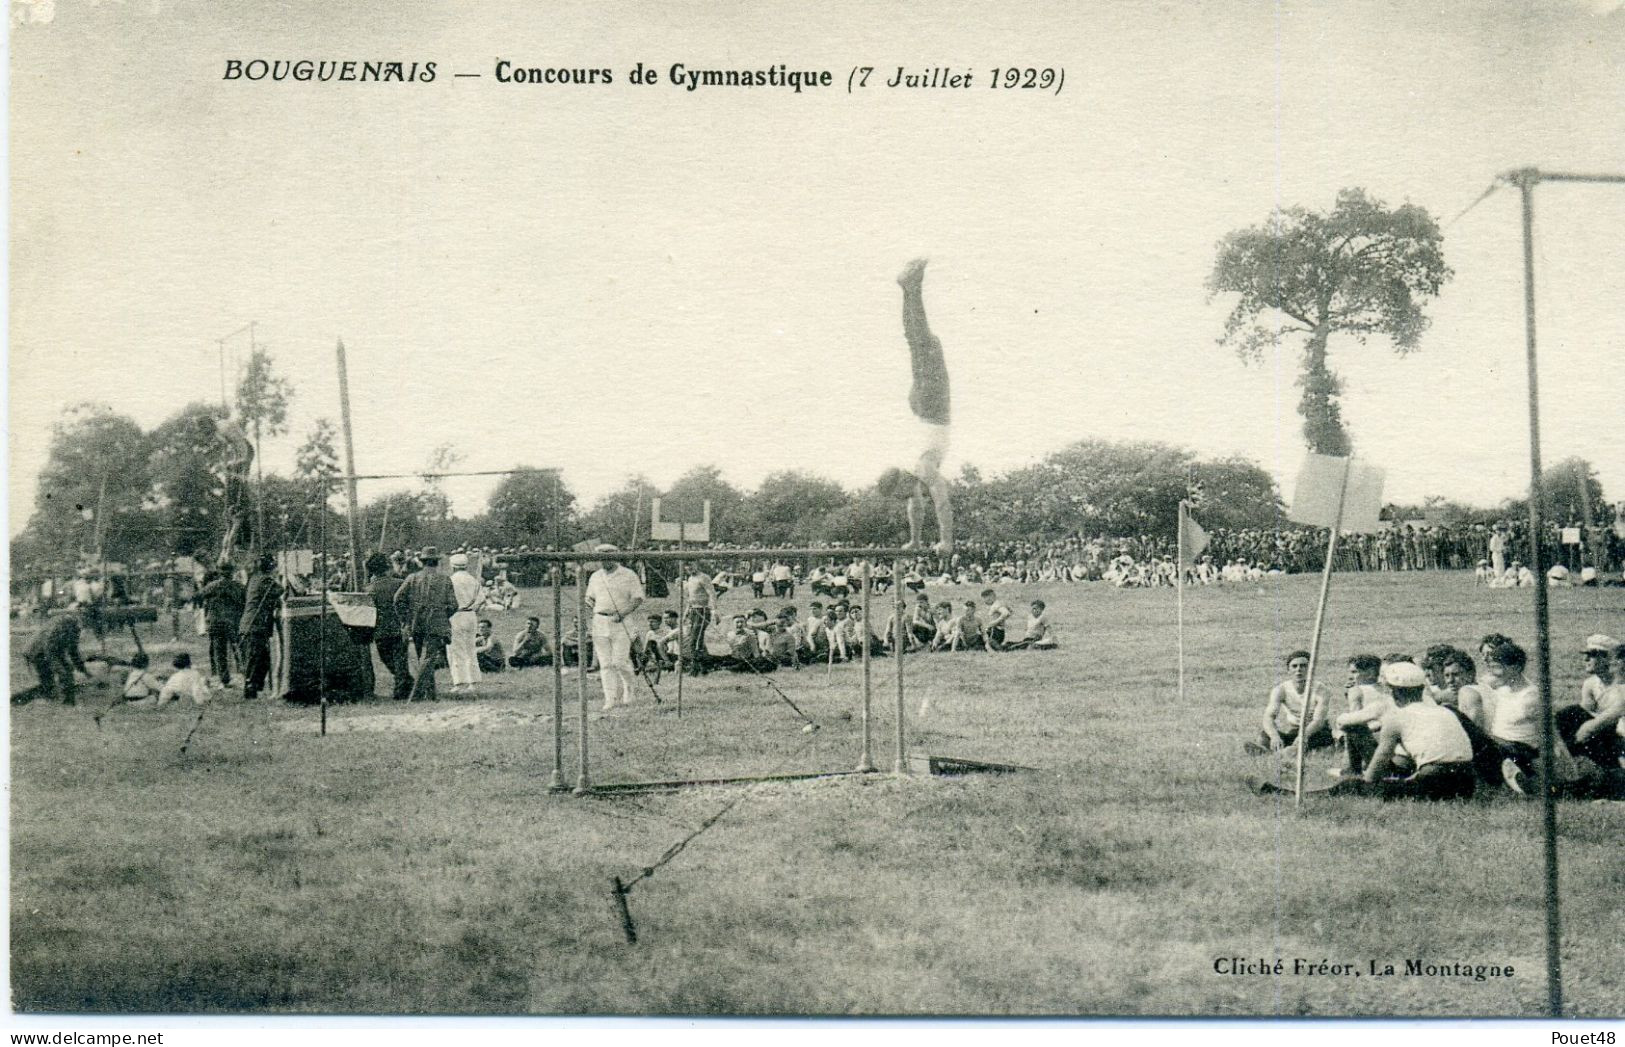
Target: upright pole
x,y
901,764
682,619
1526,181
1179,599
866,761
1314,641
583,777
349,471
321,624
555,782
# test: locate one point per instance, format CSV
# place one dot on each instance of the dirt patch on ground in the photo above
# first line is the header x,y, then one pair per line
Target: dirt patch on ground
x,y
425,721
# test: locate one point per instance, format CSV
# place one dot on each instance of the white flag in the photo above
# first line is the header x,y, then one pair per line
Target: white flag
x,y
1320,482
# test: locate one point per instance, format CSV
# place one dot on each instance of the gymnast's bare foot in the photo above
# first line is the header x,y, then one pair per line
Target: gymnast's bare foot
x,y
913,273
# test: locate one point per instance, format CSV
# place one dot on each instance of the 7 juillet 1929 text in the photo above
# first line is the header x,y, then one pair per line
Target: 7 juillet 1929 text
x,y
688,77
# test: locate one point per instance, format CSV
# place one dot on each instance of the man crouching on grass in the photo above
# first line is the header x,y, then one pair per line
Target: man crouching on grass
x,y
1438,760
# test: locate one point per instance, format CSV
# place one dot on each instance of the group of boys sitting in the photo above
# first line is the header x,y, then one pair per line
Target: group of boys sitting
x,y
1430,728
838,632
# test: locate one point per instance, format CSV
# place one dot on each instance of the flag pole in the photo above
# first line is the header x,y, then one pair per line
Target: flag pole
x,y
1320,621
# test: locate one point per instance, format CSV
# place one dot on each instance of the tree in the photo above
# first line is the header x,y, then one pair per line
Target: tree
x,y
93,492
188,461
1359,270
610,518
1237,494
400,519
317,461
529,507
262,407
789,506
686,501
1573,493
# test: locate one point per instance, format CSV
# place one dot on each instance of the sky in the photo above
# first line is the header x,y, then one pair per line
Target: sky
x,y
641,279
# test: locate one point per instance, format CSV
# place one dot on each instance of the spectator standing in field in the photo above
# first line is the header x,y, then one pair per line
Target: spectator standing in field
x,y
260,606
425,603
1289,709
54,656
700,600
614,594
465,666
784,580
383,583
928,398
222,598
1498,549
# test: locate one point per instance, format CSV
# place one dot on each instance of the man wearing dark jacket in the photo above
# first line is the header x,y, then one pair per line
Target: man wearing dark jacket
x,y
260,607
425,603
222,599
54,656
384,584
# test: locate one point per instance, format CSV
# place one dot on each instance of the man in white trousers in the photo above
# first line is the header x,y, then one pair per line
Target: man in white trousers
x,y
614,594
465,665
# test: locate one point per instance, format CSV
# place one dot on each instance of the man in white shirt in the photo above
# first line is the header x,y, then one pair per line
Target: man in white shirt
x,y
784,581
614,593
185,682
1437,760
1515,717
465,666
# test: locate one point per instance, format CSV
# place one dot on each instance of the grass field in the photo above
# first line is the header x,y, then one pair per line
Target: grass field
x,y
429,871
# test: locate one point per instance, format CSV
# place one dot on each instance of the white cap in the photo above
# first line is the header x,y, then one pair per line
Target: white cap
x,y
459,559
1404,674
1600,642
605,547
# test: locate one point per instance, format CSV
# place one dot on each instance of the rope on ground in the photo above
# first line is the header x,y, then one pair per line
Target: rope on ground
x,y
622,889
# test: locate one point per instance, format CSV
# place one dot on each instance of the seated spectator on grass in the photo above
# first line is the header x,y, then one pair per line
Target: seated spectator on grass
x,y
859,633
488,649
570,647
1461,690
1424,753
141,683
968,632
922,624
745,649
1597,652
184,682
947,627
1594,732
1489,677
1515,717
997,614
1038,636
1287,711
530,646
1367,704
653,650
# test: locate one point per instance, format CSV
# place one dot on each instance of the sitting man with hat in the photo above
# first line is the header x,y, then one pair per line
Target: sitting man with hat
x,y
1424,752
1591,728
614,594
